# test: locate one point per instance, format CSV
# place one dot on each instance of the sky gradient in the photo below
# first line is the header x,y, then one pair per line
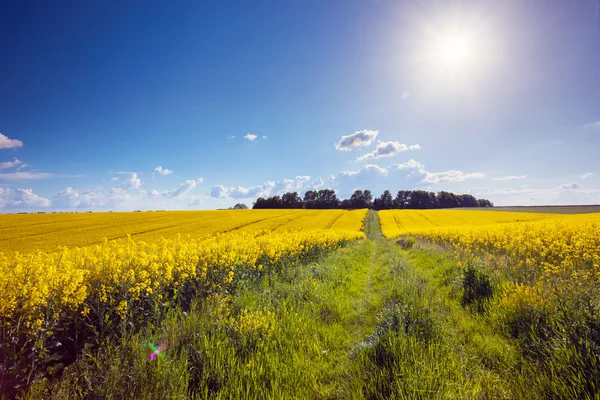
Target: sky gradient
x,y
107,106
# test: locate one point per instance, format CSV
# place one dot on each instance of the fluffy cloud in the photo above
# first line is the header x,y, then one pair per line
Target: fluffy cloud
x,y
450,176
317,183
346,182
410,164
163,171
437,177
200,180
128,198
269,188
388,149
249,136
10,164
510,178
586,175
6,143
240,192
183,188
132,181
265,138
21,199
356,140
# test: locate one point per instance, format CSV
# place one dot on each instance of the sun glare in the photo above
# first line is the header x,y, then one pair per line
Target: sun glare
x,y
454,50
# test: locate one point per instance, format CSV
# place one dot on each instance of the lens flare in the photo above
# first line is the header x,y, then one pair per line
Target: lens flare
x,y
156,351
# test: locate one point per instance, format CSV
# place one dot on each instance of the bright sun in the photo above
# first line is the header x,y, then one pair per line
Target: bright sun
x,y
454,50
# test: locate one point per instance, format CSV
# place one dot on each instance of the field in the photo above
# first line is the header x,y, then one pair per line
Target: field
x,y
550,209
303,304
398,222
45,232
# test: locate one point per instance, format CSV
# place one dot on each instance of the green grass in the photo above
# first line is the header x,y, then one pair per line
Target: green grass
x,y
371,320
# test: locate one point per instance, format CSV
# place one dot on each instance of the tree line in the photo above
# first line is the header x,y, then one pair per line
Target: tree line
x,y
404,199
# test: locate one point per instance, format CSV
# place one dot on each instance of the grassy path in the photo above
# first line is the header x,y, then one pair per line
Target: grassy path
x,y
369,320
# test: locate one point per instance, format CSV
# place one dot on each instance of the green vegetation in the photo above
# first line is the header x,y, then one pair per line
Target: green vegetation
x,y
377,319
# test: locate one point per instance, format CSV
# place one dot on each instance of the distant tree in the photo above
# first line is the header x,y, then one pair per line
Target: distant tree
x,y
291,200
260,203
447,200
326,199
467,200
484,203
346,204
361,199
402,199
410,199
384,202
310,199
240,206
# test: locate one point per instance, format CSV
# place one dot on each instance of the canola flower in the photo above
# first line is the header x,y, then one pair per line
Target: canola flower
x,y
529,245
46,232
567,246
39,287
548,264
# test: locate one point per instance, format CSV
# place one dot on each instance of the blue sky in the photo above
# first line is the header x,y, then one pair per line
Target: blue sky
x,y
238,99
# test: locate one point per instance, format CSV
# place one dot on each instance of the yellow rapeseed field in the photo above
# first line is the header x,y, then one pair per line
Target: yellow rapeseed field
x,y
549,265
534,244
402,222
63,275
45,232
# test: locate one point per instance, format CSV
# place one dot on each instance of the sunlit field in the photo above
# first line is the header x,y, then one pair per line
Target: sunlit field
x,y
314,304
45,232
534,276
53,303
401,222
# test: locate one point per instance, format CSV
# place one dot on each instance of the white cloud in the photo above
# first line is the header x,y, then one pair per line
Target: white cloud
x,y
24,176
345,182
163,171
230,137
388,149
450,176
410,164
183,188
405,95
317,183
249,136
10,164
6,143
200,180
586,175
131,182
265,138
510,178
437,177
269,188
356,140
22,199
93,198
126,197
